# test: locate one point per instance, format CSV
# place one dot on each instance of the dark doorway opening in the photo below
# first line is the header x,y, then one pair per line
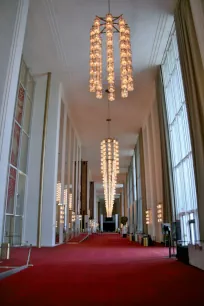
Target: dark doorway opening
x,y
109,227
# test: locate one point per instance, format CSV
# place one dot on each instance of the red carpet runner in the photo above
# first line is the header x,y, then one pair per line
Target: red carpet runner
x,y
103,270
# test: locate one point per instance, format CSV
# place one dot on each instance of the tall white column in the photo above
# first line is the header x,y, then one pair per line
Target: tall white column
x,y
69,169
122,202
101,223
13,18
34,159
64,134
62,170
152,179
51,165
158,167
79,181
73,170
116,221
76,177
125,199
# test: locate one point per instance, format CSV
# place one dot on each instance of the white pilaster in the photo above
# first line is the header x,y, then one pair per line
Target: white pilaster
x,y
73,171
152,179
69,169
63,153
101,223
79,181
122,202
13,18
51,165
76,182
116,221
158,167
64,130
34,159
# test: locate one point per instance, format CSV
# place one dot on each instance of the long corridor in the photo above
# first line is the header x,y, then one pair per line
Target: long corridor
x,y
103,270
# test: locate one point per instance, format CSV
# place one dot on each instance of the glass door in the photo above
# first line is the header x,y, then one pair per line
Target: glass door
x,y
17,173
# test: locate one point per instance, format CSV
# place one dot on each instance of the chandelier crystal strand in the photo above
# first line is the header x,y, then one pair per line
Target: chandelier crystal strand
x,y
98,55
95,46
123,58
100,86
91,80
110,57
129,59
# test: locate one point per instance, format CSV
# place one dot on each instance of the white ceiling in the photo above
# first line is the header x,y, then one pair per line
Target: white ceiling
x,y
57,40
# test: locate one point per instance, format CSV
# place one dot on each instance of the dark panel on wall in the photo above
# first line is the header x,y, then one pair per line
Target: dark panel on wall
x,y
91,200
84,186
99,212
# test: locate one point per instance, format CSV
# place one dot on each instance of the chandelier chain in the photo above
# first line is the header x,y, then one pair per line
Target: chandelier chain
x,y
109,6
109,119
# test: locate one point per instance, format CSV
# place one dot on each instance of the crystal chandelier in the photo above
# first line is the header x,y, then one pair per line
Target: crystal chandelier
x,y
109,25
109,169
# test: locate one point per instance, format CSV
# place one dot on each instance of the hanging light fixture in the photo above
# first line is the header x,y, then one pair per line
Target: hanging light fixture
x,y
109,169
109,25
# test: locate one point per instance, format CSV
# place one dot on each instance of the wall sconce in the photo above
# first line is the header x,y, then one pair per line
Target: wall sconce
x,y
148,216
73,216
159,213
58,192
70,201
62,214
65,195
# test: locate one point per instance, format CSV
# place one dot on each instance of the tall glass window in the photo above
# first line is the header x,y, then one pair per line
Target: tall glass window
x,y
17,176
180,143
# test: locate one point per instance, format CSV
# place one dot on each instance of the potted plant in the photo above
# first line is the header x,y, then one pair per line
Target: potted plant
x,y
123,221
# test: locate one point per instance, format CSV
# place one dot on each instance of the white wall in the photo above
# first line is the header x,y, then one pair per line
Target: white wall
x,y
51,161
153,169
131,218
13,18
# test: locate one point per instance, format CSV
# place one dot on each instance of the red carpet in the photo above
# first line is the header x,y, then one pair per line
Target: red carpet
x,y
18,257
103,270
78,238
